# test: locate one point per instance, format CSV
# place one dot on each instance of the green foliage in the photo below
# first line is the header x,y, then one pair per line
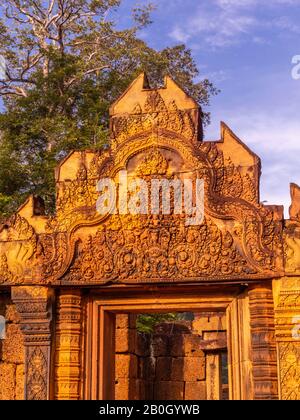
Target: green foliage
x,y
66,63
147,322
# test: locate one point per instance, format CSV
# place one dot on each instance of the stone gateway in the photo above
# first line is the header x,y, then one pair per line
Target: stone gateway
x,y
72,284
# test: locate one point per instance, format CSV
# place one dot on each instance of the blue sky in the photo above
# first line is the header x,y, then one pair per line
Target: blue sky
x,y
245,47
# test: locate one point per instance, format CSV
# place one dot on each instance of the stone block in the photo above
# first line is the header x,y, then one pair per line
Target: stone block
x,y
195,390
19,382
191,346
169,390
176,345
7,381
194,369
185,345
177,369
159,345
147,368
208,323
126,389
126,366
122,321
11,314
12,346
125,321
141,389
142,345
149,390
125,340
163,368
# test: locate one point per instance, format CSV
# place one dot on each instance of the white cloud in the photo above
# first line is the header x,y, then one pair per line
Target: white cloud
x,y
251,3
215,76
223,23
179,34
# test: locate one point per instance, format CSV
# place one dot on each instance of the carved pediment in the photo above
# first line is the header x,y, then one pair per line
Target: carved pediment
x,y
154,133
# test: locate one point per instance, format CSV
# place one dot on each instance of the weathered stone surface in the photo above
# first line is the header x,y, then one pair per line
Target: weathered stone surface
x,y
177,369
159,345
126,366
12,348
125,321
7,381
163,368
185,345
141,389
208,323
169,390
125,340
295,206
126,389
176,345
147,368
191,346
195,391
188,368
11,314
19,382
142,345
194,368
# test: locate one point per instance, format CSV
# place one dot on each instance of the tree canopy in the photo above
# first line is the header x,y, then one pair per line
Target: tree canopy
x,y
66,62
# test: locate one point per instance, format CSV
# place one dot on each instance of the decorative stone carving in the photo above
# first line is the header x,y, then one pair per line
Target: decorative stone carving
x,y
295,206
137,249
68,346
160,136
287,323
154,133
289,360
34,307
153,115
263,343
256,236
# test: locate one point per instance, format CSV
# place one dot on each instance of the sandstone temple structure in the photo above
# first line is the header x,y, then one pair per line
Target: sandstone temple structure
x,y
72,284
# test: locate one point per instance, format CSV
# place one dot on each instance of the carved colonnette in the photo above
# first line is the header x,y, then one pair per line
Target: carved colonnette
x,y
287,318
68,345
34,305
287,306
264,359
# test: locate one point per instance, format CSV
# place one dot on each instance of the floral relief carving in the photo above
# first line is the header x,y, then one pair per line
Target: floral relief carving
x,y
289,359
133,249
37,374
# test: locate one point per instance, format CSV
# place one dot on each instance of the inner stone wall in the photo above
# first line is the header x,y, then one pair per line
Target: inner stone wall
x,y
11,353
169,364
173,365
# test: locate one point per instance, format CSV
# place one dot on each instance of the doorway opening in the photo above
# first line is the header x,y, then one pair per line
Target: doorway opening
x,y
171,356
197,347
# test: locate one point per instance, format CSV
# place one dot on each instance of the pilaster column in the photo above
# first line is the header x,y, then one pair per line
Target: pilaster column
x,y
34,305
287,327
68,345
264,359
